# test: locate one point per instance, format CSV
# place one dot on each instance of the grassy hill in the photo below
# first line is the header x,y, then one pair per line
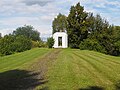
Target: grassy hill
x,y
19,60
60,69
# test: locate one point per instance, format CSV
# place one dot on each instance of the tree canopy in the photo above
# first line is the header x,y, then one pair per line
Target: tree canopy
x,y
59,23
77,25
27,31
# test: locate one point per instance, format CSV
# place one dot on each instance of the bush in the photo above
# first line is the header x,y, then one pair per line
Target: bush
x,y
22,44
6,45
91,44
50,42
40,44
116,50
10,44
35,44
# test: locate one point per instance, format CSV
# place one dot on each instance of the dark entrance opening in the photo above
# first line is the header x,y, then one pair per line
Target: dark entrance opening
x,y
59,41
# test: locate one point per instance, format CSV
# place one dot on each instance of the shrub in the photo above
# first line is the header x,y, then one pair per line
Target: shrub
x,y
50,42
22,44
10,44
116,50
6,45
43,44
35,44
91,44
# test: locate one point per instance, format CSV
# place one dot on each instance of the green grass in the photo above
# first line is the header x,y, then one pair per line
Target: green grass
x,y
21,60
64,69
75,69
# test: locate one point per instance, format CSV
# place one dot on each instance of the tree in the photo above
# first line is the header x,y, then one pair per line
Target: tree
x,y
97,26
107,36
115,41
50,42
59,23
27,31
90,22
77,25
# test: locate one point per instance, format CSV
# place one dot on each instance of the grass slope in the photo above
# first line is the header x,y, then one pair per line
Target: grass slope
x,y
84,70
26,70
59,69
19,60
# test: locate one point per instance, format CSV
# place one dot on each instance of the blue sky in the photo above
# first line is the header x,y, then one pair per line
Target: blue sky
x,y
40,13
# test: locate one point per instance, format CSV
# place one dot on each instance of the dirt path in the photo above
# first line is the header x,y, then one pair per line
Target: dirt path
x,y
41,66
29,78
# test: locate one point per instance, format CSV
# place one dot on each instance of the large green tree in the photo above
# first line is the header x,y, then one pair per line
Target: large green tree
x,y
115,40
27,31
97,26
77,25
59,23
106,36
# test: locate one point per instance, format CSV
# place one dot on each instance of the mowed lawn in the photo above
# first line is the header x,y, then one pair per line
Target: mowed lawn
x,y
19,60
60,69
84,70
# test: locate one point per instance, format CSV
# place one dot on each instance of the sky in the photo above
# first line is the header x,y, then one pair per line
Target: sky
x,y
41,13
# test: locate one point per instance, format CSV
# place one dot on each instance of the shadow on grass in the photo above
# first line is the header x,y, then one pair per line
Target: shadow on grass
x,y
117,85
20,80
92,88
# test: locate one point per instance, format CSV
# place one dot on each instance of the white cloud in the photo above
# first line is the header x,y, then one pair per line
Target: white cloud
x,y
38,2
6,31
18,20
40,13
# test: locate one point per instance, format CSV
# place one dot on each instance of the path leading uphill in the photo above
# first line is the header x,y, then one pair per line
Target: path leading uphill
x,y
26,71
42,66
60,69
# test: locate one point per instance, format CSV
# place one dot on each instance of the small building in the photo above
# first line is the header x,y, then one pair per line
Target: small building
x,y
61,40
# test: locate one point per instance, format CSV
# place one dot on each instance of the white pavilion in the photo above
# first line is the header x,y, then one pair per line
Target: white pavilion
x,y
61,40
